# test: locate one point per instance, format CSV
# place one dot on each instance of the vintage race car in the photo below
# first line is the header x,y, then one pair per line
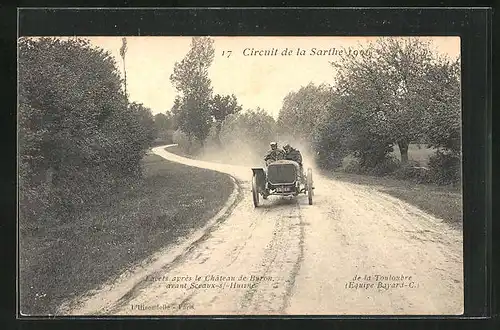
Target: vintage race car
x,y
283,178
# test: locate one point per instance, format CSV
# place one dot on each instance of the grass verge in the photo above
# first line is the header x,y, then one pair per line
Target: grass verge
x,y
61,261
441,201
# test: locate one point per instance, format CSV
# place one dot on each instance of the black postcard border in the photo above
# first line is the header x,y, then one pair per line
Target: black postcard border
x,y
472,25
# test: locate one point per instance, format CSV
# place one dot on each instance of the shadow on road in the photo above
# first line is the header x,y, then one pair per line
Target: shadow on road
x,y
274,201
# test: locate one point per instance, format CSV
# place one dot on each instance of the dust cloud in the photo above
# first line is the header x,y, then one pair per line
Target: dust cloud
x,y
251,154
234,153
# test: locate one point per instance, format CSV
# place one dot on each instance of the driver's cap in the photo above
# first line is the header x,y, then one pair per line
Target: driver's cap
x,y
273,144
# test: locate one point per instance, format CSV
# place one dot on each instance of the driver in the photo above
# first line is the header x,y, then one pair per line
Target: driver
x,y
275,153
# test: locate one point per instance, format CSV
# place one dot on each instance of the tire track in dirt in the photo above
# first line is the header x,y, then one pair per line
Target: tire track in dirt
x,y
259,242
282,259
277,261
296,268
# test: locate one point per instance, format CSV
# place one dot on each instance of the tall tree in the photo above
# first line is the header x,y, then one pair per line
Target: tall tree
x,y
222,107
303,110
190,78
442,124
123,53
144,129
330,138
384,88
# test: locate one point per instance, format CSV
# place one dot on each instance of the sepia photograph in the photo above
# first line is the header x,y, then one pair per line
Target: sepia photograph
x,y
240,175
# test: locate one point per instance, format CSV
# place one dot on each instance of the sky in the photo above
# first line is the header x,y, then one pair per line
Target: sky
x,y
252,68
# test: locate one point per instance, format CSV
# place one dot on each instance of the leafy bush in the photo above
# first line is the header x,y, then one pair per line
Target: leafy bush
x,y
304,110
78,135
416,174
388,165
163,128
329,160
328,142
352,164
190,146
181,138
445,168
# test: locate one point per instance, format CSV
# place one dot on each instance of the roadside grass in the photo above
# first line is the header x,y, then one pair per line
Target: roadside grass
x,y
59,261
444,202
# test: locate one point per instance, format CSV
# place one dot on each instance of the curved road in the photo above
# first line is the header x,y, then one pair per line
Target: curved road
x,y
354,251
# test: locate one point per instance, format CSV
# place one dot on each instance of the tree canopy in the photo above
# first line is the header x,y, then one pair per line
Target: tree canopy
x,y
302,111
190,78
74,120
397,91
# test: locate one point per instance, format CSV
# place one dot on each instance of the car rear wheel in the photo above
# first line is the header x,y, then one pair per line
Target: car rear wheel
x,y
255,191
309,186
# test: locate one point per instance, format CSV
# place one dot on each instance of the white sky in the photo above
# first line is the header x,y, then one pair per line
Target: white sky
x,y
255,80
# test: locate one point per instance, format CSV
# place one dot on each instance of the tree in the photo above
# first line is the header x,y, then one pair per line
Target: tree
x,y
123,52
77,134
176,113
145,126
163,121
302,111
384,88
331,135
190,78
252,129
442,122
221,108
163,125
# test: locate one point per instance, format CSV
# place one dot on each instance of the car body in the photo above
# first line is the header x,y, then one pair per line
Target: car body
x,y
281,178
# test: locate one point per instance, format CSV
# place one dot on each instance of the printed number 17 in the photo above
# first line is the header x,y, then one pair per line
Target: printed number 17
x,y
228,52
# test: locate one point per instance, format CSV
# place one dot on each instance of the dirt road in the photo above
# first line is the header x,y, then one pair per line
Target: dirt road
x,y
354,251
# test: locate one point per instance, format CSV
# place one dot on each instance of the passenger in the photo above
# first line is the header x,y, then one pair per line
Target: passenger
x,y
295,155
292,154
